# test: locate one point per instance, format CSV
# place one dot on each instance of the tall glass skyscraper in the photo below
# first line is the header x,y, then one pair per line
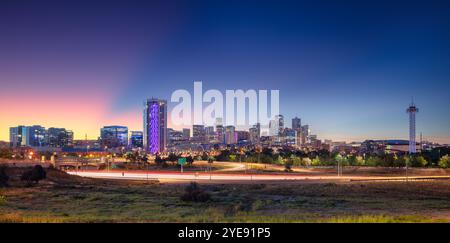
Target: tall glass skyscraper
x,y
155,125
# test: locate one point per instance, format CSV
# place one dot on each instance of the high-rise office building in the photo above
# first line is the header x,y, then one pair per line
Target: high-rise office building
x,y
198,133
174,136
297,124
60,137
114,136
306,132
16,136
230,135
155,125
36,136
280,119
209,130
276,126
137,139
255,133
186,133
242,136
220,131
273,128
290,137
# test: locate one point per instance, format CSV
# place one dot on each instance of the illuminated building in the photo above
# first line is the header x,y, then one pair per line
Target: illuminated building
x,y
60,137
114,136
137,139
155,125
186,133
230,135
198,133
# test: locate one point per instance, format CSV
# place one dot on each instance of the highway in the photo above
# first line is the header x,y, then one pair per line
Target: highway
x,y
192,176
140,175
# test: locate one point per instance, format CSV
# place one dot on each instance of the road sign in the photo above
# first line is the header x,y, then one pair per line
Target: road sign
x,y
182,161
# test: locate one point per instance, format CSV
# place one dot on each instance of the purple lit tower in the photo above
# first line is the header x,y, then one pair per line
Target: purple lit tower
x,y
155,125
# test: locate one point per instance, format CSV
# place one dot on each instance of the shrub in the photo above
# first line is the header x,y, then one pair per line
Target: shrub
x,y
418,161
34,175
288,165
193,193
401,161
444,162
306,161
3,177
316,161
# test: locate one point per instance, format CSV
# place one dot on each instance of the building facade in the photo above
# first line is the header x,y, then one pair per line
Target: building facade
x,y
60,137
155,125
114,136
137,139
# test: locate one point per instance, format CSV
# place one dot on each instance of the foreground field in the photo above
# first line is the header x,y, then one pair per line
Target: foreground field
x,y
66,198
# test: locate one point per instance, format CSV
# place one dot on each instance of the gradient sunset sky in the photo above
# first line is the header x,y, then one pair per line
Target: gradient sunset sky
x,y
347,68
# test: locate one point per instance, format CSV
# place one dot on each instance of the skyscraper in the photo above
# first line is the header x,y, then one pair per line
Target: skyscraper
x,y
186,133
230,135
155,125
305,134
280,119
220,130
255,133
297,124
276,126
16,136
198,133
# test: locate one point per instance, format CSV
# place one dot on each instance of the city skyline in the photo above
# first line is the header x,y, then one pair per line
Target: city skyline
x,y
267,132
349,72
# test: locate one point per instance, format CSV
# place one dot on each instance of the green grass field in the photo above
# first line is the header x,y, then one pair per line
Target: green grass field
x,y
65,198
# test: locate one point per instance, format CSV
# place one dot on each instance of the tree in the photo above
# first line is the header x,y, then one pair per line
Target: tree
x,y
444,162
190,160
6,153
401,161
316,161
297,161
288,164
418,161
159,160
34,175
306,161
352,160
144,159
172,157
3,177
132,157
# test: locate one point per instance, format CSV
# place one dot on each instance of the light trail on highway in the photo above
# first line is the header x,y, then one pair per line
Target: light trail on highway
x,y
152,175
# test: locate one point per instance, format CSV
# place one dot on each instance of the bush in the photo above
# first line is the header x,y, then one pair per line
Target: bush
x,y
418,161
444,162
193,193
288,165
401,161
34,175
3,177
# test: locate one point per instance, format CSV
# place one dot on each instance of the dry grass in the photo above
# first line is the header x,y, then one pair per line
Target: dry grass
x,y
67,198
